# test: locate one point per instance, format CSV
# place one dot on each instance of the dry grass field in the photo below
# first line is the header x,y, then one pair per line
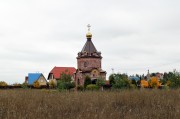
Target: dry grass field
x,y
48,104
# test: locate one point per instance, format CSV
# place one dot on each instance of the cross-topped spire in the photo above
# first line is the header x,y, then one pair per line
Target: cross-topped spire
x,y
89,35
89,26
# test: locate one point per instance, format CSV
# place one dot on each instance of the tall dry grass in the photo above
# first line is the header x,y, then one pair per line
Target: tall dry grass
x,y
135,104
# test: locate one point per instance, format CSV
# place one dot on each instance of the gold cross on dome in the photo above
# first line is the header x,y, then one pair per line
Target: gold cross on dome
x,y
89,26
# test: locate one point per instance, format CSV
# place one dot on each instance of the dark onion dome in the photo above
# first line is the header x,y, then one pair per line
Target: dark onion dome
x,y
89,50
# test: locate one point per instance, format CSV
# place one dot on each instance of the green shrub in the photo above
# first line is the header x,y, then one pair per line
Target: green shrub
x,y
87,81
112,79
61,85
100,82
121,84
92,87
69,85
24,85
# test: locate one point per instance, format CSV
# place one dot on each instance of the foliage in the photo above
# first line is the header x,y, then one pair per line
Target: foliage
x,y
24,85
65,77
16,84
121,81
87,81
52,84
122,84
144,83
92,87
65,82
80,88
107,86
171,79
3,83
133,86
100,82
112,79
36,84
61,85
167,77
69,85
175,82
154,83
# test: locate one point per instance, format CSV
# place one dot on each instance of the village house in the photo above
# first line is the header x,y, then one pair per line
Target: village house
x,y
32,77
55,73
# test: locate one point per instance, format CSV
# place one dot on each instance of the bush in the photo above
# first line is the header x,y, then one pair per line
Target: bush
x,y
52,84
87,81
100,82
3,83
112,79
80,88
92,87
36,84
24,85
121,84
60,85
65,85
69,85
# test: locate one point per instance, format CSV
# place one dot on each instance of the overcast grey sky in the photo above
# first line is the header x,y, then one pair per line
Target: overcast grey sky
x,y
133,35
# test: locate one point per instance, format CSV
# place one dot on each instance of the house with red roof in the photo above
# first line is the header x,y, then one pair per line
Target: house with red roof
x,y
55,73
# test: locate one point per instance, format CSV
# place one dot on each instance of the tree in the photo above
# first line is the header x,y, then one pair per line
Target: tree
x,y
144,83
87,81
172,79
65,82
100,82
121,81
167,77
36,84
154,83
65,77
175,82
112,79
3,83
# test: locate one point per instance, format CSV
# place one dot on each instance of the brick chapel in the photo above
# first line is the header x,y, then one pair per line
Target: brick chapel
x,y
89,62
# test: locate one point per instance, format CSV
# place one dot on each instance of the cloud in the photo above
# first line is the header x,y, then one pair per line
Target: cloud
x,y
133,36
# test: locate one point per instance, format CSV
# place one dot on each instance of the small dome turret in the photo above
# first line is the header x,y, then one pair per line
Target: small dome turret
x,y
89,35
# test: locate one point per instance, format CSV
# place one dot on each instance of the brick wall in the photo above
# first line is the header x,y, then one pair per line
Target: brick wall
x,y
86,63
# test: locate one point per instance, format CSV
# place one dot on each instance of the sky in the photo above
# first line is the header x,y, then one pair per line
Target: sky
x,y
132,35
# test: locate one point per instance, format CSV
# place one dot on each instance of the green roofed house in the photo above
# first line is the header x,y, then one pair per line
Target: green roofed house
x,y
32,77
